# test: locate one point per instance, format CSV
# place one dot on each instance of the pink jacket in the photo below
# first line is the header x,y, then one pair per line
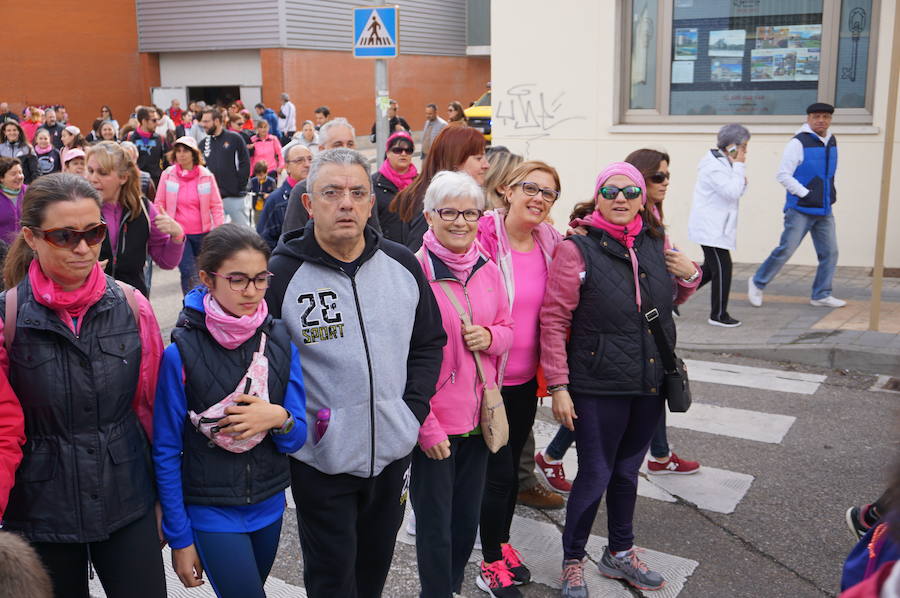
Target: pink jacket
x,y
212,213
456,405
268,149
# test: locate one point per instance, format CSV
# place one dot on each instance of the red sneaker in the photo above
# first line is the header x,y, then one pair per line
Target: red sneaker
x,y
553,474
673,465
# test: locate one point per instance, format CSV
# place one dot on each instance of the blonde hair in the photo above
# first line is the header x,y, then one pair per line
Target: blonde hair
x,y
112,158
502,164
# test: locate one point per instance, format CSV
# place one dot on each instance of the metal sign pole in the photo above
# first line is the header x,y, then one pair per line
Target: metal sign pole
x,y
382,98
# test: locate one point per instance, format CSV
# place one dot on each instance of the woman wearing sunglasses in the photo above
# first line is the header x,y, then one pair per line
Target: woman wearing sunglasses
x,y
605,378
458,148
397,172
521,242
83,357
136,227
449,464
230,407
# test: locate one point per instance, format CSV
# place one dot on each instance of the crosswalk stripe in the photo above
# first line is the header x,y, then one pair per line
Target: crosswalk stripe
x,y
541,547
275,588
753,377
737,423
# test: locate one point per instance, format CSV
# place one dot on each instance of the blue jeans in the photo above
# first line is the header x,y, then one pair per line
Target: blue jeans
x,y
237,565
188,264
796,225
659,444
234,207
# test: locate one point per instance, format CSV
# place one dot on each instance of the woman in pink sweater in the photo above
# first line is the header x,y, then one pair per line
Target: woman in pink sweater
x,y
449,465
188,192
266,147
521,242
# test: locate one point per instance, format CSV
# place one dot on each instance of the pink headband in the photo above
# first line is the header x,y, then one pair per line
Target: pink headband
x,y
623,168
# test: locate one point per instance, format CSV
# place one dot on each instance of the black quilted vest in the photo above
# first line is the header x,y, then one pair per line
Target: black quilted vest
x,y
87,470
210,474
611,349
130,256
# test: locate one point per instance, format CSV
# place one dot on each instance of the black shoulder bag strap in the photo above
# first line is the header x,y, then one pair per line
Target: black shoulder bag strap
x,y
666,353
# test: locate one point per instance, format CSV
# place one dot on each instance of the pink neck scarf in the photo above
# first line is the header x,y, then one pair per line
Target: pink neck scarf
x,y
229,331
43,150
187,175
291,181
460,264
400,180
68,305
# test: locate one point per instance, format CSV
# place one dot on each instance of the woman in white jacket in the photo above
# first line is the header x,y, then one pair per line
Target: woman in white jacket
x,y
721,182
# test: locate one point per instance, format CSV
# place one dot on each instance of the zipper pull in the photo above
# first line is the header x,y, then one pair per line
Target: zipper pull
x,y
453,377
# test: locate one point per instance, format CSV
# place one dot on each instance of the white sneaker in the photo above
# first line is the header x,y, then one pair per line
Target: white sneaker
x,y
828,301
754,293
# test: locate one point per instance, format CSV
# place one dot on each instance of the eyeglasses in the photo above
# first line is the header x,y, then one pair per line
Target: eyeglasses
x,y
67,238
659,177
532,189
451,214
240,282
402,150
612,192
333,194
300,160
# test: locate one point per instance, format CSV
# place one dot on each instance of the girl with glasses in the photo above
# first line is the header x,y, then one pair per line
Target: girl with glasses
x,y
520,241
229,409
82,354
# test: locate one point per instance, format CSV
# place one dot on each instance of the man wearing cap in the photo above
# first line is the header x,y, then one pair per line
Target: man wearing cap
x,y
73,161
807,172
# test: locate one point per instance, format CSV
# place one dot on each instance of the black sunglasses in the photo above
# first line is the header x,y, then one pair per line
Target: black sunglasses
x,y
612,192
659,177
402,150
67,238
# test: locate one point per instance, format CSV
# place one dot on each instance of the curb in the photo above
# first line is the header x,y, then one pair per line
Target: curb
x,y
866,360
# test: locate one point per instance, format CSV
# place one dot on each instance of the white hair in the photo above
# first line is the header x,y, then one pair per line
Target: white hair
x,y
324,136
450,185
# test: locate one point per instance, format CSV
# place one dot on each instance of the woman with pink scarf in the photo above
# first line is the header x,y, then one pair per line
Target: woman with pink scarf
x,y
396,173
606,378
82,352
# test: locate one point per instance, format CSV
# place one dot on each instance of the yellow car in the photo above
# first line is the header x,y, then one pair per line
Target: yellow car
x,y
479,115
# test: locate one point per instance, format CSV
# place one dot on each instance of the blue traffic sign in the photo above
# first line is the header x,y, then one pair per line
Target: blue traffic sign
x,y
375,32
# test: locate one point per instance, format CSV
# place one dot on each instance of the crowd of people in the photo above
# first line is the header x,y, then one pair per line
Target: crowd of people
x,y
343,349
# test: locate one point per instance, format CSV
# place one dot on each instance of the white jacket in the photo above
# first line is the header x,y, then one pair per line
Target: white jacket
x,y
714,211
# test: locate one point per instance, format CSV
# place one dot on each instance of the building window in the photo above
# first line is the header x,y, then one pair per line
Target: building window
x,y
760,60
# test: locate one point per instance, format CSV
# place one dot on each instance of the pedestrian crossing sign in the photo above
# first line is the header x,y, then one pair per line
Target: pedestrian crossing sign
x,y
375,31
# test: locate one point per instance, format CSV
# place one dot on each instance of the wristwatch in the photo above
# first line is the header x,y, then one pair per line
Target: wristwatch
x,y
692,277
286,427
555,387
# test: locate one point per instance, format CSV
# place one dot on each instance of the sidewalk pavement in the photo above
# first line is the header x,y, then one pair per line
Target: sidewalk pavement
x,y
788,328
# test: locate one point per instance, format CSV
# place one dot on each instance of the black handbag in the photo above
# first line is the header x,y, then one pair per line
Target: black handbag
x,y
676,386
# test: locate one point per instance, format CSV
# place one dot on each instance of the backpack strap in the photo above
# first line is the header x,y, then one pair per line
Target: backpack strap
x,y
130,298
9,331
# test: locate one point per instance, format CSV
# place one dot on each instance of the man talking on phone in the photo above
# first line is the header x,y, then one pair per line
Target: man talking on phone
x,y
807,172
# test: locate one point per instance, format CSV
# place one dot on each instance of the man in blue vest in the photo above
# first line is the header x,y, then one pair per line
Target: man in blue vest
x,y
807,173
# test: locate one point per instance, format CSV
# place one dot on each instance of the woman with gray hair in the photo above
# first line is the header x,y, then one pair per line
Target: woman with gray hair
x,y
449,464
721,181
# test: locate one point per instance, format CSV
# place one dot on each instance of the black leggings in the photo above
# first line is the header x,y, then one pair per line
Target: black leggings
x,y
716,270
129,564
502,483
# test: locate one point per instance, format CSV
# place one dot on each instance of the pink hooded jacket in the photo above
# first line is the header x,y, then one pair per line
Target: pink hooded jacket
x,y
212,211
456,405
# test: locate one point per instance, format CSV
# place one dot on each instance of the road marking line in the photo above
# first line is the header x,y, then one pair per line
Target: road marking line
x,y
541,546
737,423
753,377
711,489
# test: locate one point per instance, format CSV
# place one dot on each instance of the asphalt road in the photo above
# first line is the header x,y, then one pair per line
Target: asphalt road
x,y
786,536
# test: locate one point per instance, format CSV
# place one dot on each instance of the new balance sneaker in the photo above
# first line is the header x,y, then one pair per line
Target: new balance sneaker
x,y
675,464
855,521
540,497
828,301
726,322
552,473
497,580
513,560
572,579
754,293
630,569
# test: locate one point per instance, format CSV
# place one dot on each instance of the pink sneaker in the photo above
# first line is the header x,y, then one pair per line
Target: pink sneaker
x,y
512,558
673,465
553,474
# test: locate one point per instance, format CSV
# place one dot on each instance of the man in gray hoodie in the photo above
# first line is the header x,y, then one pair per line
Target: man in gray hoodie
x,y
370,338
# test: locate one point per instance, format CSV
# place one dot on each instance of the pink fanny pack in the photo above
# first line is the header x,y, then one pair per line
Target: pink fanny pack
x,y
255,382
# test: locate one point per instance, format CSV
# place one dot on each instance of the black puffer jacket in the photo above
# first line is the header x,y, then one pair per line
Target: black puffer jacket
x,y
611,349
392,227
